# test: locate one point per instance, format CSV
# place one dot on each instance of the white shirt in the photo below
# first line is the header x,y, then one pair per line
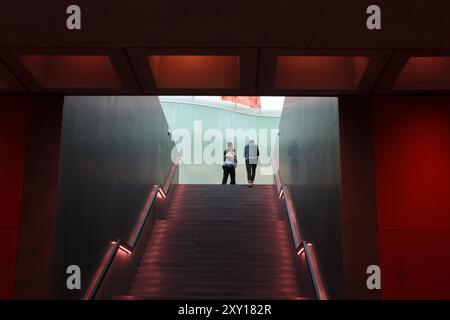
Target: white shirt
x,y
229,156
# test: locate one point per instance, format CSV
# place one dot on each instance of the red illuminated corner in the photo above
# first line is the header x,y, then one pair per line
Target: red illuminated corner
x,y
195,71
319,72
161,193
72,71
424,73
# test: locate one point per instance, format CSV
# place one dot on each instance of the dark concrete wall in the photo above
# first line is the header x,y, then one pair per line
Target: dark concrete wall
x,y
113,150
310,167
39,202
14,118
286,23
359,215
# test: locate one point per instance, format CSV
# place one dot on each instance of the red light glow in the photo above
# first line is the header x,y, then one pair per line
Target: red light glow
x,y
72,71
320,72
424,73
195,71
161,194
412,157
121,247
250,101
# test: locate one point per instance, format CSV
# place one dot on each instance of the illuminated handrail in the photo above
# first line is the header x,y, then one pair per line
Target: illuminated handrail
x,y
313,267
292,217
117,245
102,270
143,217
170,178
301,246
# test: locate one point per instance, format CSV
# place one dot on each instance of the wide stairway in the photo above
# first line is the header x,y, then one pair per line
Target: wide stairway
x,y
218,242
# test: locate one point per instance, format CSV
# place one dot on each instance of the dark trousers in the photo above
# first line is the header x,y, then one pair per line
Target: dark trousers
x,y
231,172
251,171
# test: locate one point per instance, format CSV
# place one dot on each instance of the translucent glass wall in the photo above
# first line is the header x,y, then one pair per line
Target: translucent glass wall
x,y
201,132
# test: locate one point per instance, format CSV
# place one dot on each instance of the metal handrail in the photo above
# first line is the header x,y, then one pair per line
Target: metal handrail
x,y
301,246
170,177
102,270
143,217
117,245
311,260
292,218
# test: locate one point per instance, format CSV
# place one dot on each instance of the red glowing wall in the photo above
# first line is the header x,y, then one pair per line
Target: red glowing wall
x,y
14,115
412,161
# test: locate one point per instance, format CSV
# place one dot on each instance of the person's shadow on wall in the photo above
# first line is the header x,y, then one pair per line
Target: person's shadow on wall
x,y
294,159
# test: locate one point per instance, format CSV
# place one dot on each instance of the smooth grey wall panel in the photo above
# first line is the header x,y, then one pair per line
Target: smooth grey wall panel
x,y
310,167
113,149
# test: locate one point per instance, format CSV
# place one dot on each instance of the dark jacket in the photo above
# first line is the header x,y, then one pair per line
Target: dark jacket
x,y
246,153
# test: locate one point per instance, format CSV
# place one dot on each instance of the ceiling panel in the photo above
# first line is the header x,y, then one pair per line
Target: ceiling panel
x,y
424,73
72,71
191,72
196,71
416,72
77,70
319,72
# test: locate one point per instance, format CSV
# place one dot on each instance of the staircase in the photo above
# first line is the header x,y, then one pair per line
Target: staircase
x,y
218,242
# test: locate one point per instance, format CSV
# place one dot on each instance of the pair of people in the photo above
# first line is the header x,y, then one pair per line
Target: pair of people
x,y
251,154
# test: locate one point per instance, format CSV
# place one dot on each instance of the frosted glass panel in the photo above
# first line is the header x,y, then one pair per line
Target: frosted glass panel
x,y
203,131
